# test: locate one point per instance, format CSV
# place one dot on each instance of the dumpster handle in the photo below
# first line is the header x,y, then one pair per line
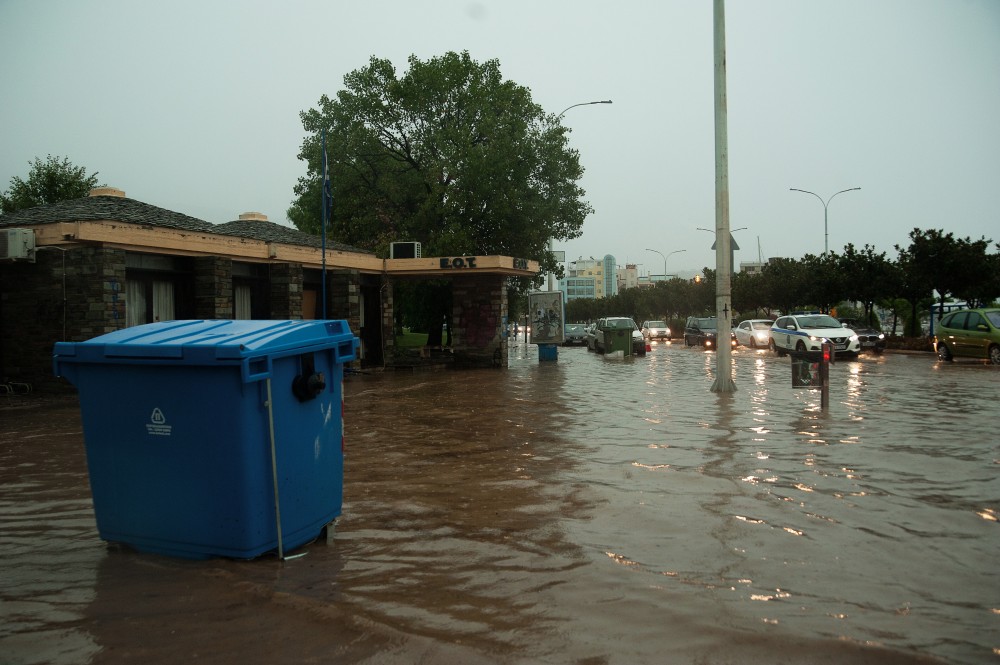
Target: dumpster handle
x,y
274,468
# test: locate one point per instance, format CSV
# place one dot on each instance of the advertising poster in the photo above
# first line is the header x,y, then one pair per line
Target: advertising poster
x,y
546,311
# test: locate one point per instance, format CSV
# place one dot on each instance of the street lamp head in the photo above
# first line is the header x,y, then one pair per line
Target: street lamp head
x,y
603,101
826,204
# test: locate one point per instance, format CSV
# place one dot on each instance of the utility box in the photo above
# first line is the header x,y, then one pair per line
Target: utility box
x,y
17,245
213,438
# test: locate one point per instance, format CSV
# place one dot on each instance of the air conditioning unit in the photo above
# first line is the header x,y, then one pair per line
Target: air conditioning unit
x,y
17,245
404,250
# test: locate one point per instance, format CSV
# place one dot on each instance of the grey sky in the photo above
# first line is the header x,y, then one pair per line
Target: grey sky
x,y
193,106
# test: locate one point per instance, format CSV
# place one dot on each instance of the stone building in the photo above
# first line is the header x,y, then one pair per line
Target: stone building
x,y
77,269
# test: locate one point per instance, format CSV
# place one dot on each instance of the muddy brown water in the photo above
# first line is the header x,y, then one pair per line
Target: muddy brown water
x,y
590,510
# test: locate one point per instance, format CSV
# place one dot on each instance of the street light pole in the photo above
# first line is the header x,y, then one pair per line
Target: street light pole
x,y
664,261
826,227
723,253
572,106
669,254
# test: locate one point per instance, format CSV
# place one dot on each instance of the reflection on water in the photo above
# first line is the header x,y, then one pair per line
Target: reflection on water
x,y
47,538
588,510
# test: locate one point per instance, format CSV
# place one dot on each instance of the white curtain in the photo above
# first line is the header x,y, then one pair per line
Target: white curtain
x,y
163,301
135,303
241,309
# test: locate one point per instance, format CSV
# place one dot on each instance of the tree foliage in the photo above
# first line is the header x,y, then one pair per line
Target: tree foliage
x,y
55,179
448,154
935,261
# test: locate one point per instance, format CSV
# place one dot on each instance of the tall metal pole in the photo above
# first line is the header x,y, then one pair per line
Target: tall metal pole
x,y
723,286
325,197
664,260
572,106
665,257
826,226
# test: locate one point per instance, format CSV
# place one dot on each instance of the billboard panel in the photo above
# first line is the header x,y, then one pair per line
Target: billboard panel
x,y
546,308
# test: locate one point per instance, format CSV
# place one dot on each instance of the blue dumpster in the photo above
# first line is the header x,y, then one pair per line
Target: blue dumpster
x,y
213,438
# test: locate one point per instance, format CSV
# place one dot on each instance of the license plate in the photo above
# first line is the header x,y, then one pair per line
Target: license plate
x,y
866,344
840,347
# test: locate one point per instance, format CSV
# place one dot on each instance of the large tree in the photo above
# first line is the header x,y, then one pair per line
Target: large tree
x,y
870,277
448,154
951,266
55,179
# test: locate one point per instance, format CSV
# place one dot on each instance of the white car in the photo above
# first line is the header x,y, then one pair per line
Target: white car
x,y
806,332
755,333
656,330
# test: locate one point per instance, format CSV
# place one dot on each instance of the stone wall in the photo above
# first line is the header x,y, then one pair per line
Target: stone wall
x,y
66,295
286,291
213,288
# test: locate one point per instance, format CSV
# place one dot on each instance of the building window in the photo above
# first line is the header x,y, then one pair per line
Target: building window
x,y
157,288
149,300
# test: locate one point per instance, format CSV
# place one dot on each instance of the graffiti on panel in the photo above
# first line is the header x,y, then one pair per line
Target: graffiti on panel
x,y
546,308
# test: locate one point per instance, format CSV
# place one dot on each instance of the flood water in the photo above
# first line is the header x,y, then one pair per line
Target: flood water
x,y
589,510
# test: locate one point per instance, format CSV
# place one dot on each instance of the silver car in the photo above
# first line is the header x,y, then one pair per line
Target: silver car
x,y
655,331
755,333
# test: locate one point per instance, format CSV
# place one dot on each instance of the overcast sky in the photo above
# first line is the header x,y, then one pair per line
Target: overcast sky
x,y
194,106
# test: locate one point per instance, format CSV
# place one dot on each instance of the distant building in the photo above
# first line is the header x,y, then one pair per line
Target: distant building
x,y
628,277
751,267
574,288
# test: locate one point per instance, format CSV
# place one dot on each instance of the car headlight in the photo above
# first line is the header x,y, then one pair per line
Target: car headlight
x,y
854,338
881,335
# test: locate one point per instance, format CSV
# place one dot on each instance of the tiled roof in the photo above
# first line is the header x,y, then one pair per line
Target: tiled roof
x,y
121,209
271,232
95,208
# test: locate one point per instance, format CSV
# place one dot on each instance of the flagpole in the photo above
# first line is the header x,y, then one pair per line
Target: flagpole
x,y
326,186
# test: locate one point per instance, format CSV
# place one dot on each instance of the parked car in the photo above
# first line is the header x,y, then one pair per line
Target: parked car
x,y
574,334
806,332
655,331
704,330
618,333
754,332
869,338
973,333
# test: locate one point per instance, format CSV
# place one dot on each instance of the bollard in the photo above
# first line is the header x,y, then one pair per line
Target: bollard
x,y
824,373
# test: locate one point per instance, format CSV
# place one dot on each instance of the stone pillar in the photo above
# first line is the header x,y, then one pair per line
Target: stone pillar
x,y
388,319
480,309
213,288
286,290
95,291
343,291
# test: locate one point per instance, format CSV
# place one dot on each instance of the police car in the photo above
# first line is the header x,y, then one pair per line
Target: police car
x,y
806,332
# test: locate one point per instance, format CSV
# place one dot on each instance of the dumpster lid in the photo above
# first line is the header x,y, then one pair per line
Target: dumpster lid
x,y
196,341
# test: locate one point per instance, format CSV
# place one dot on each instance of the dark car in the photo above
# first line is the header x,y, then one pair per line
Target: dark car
x,y
869,338
703,330
974,333
574,333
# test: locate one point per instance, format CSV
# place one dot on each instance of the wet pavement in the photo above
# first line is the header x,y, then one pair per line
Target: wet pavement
x,y
590,510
